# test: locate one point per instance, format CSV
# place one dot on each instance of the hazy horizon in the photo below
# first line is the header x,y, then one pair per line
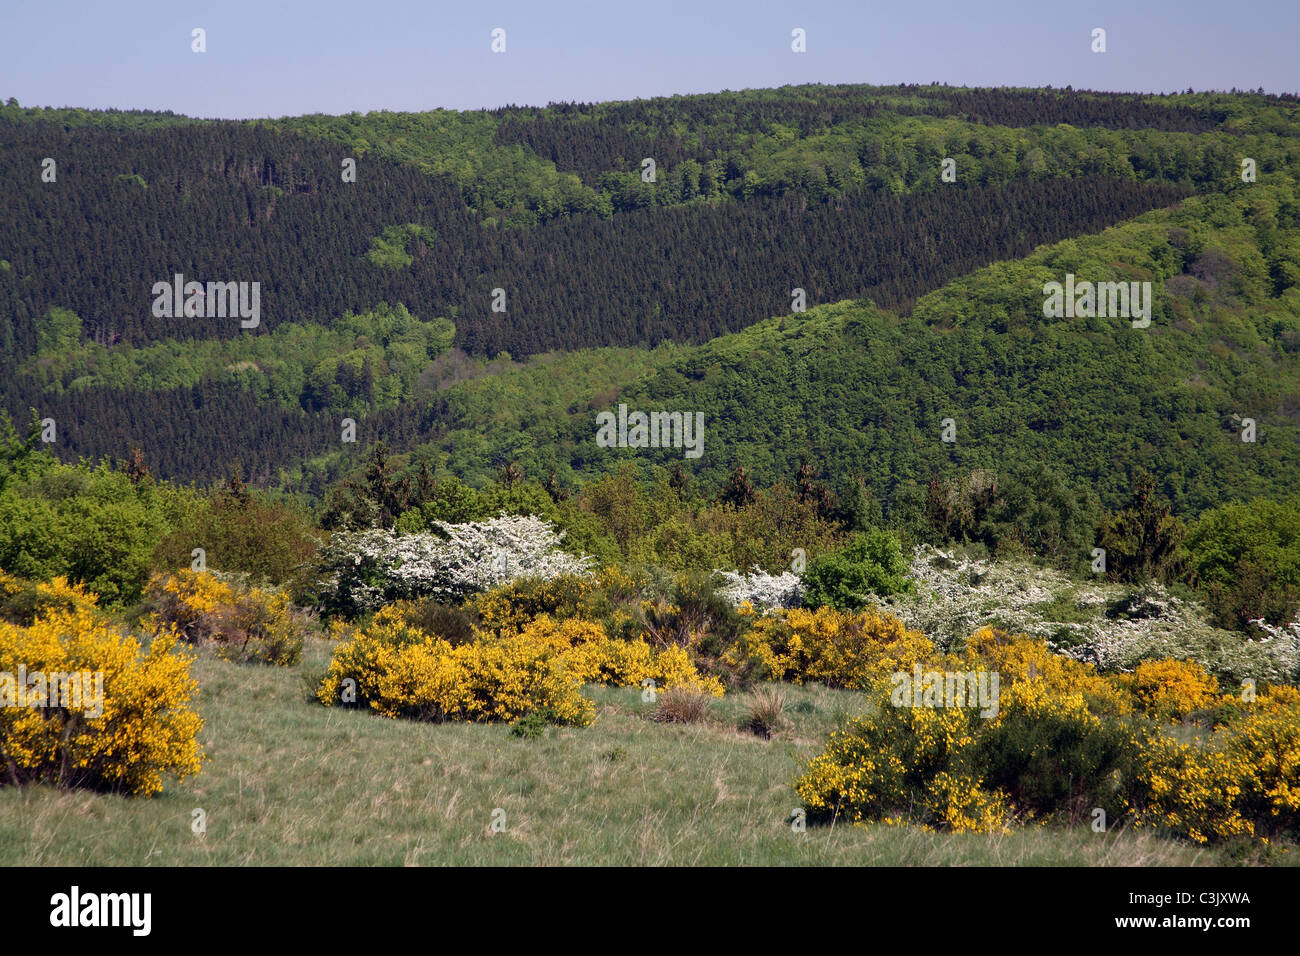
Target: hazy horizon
x,y
272,60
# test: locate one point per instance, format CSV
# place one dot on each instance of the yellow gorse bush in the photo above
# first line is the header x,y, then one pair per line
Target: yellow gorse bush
x,y
509,608
837,648
1192,789
245,623
903,763
593,657
429,679
143,729
961,802
1064,739
401,672
1169,689
22,601
1243,780
1018,657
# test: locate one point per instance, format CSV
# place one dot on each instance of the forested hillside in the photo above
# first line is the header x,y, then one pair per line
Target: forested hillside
x,y
837,191
273,209
864,391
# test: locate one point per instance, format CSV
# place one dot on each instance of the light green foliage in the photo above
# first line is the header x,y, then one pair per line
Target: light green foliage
x,y
502,182
1246,557
58,331
397,247
242,533
92,525
358,363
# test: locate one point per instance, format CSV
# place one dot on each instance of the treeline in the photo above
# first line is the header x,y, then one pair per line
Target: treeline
x,y
525,166
593,138
110,526
813,107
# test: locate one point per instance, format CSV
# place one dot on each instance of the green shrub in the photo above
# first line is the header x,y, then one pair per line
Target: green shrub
x,y
455,625
872,563
533,726
1246,559
242,533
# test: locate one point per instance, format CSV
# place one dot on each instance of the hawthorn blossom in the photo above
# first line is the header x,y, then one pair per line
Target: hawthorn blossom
x,y
365,570
762,590
1113,626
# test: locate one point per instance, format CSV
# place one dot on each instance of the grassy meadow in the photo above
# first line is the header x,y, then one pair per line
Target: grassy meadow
x,y
288,782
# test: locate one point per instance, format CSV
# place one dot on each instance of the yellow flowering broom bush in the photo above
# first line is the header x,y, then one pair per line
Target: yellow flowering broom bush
x,y
1065,740
1243,780
244,623
1191,789
1018,657
510,607
23,600
909,762
1169,689
399,671
594,657
837,648
128,724
1266,738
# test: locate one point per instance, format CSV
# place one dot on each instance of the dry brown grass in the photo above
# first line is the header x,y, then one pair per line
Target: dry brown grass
x,y
766,712
682,705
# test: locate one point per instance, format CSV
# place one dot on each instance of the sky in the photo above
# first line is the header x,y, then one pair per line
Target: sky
x,y
267,58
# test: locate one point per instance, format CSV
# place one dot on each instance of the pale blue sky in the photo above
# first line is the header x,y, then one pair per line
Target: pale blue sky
x,y
269,58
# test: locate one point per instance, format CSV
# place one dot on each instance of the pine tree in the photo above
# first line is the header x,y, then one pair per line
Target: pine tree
x,y
680,482
234,487
553,488
136,469
1143,541
738,491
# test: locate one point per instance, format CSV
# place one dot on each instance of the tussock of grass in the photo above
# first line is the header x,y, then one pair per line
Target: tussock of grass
x,y
682,705
766,712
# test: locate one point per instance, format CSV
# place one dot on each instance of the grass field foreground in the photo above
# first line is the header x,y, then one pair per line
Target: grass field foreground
x,y
287,782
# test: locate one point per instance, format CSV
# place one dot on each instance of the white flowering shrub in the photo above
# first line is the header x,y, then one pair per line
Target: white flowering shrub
x,y
363,571
765,592
1110,625
1283,644
955,597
